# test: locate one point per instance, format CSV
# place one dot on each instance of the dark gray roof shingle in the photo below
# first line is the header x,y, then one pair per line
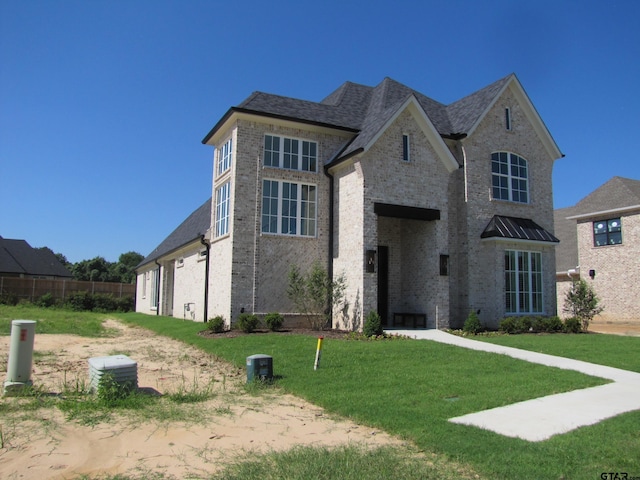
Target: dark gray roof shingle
x,y
188,231
365,110
17,257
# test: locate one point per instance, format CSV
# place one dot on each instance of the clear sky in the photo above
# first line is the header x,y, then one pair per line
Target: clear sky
x,y
103,104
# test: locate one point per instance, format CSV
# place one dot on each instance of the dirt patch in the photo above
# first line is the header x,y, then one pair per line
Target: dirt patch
x,y
42,444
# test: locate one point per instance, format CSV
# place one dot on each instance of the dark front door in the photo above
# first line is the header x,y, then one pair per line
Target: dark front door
x,y
383,284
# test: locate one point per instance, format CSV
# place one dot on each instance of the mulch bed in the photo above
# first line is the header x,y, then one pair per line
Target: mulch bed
x,y
333,334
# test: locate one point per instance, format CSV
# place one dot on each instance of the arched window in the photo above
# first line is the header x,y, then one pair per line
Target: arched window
x,y
509,177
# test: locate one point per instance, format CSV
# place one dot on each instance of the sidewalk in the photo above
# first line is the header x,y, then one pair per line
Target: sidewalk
x,y
541,418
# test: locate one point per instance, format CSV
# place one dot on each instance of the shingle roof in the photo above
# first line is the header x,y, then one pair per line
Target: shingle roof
x,y
17,257
617,193
365,110
188,231
516,228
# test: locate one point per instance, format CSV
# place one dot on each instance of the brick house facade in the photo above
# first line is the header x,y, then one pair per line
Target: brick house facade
x,y
600,243
424,209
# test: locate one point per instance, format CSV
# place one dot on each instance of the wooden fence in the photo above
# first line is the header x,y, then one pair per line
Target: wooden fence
x,y
33,288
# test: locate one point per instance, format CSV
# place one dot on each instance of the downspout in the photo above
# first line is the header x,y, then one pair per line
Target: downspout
x,y
158,286
206,279
331,232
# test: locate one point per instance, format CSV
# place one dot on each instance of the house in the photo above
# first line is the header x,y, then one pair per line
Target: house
x,y
19,259
428,211
600,243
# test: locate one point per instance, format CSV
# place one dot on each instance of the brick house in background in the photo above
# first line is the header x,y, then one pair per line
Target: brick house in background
x,y
600,243
426,209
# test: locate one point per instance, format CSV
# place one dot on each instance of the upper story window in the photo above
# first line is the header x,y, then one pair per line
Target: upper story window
x,y
222,209
406,153
290,153
289,208
510,175
225,156
607,232
507,118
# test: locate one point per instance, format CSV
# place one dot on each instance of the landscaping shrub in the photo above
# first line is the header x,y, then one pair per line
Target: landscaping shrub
x,y
247,322
372,325
582,302
125,304
573,325
274,321
80,301
217,324
9,299
548,325
104,302
47,300
472,324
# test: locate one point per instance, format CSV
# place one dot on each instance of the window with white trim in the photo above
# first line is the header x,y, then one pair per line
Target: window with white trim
x,y
155,291
523,281
225,155
290,153
607,232
222,209
509,177
289,208
507,118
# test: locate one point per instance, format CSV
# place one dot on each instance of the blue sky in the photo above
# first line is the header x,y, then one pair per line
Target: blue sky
x,y
103,104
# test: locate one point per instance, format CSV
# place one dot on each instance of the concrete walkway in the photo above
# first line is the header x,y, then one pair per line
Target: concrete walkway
x,y
541,418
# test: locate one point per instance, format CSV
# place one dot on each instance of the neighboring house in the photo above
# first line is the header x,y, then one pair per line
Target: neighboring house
x,y
600,243
19,259
425,209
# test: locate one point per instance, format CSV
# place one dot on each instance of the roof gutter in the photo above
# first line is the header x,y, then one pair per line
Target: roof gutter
x,y
158,286
258,113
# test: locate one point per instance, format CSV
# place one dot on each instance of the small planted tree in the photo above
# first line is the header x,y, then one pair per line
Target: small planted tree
x,y
582,303
315,295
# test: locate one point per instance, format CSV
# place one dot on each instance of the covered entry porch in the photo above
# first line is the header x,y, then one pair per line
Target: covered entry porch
x,y
412,266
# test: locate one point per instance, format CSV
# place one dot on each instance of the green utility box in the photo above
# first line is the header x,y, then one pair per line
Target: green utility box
x,y
259,367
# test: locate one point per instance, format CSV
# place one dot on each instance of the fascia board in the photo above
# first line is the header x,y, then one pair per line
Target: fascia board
x,y
630,208
234,115
427,127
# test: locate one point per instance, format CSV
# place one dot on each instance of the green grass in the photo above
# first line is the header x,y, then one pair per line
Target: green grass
x,y
411,388
612,350
53,320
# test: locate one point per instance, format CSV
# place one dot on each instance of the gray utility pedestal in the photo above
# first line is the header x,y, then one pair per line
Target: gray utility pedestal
x,y
20,356
259,367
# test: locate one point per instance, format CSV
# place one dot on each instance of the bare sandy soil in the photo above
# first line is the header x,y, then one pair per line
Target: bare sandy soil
x,y
629,329
42,444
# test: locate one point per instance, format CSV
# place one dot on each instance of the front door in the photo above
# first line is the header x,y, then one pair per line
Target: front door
x,y
383,284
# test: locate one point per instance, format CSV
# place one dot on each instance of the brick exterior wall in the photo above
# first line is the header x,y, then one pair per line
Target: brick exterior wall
x,y
615,266
249,269
483,261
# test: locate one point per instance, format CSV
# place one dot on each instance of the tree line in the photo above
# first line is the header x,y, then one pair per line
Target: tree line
x,y
98,269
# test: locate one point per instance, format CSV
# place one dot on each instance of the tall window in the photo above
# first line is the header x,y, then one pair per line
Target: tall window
x,y
509,177
155,290
289,208
406,156
507,118
225,156
523,281
607,232
222,209
290,153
